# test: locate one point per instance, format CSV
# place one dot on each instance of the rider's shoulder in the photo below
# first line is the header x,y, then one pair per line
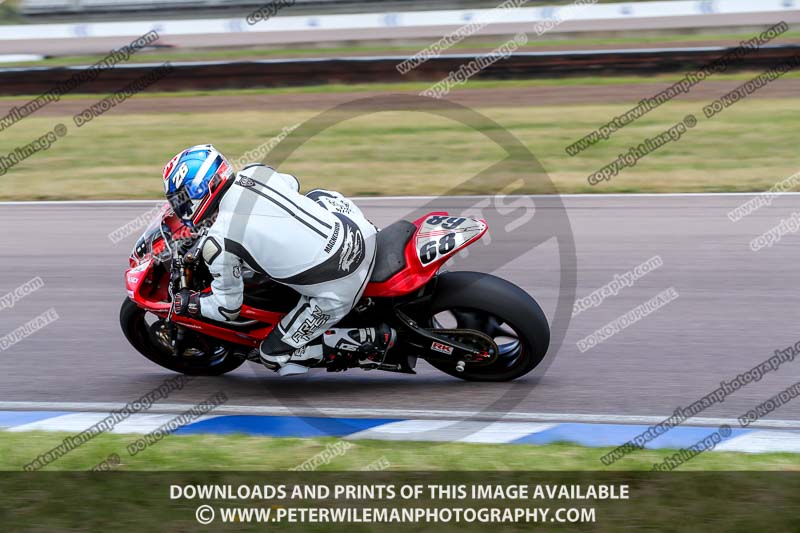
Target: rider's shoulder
x,y
257,173
256,169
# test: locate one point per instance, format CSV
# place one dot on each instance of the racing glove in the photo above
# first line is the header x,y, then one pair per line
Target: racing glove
x,y
186,302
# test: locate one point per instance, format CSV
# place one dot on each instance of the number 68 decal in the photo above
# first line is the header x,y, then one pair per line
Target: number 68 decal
x,y
441,235
433,248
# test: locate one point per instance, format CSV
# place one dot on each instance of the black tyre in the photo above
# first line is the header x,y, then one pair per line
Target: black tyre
x,y
211,359
498,308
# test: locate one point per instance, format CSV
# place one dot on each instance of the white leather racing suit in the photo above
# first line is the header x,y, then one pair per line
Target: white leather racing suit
x,y
319,244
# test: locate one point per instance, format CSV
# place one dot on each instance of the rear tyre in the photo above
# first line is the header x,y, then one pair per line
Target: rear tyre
x,y
494,306
211,359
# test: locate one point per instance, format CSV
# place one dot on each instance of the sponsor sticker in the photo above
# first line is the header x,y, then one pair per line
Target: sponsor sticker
x,y
443,348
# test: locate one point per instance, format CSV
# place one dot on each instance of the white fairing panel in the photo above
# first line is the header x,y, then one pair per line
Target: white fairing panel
x,y
440,236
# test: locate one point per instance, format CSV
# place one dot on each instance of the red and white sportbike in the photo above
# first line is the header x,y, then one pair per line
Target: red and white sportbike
x,y
470,325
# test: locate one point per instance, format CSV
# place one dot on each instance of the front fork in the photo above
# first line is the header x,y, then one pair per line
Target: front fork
x,y
180,278
177,333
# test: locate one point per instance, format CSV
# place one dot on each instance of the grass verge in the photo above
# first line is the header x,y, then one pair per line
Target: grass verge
x,y
135,500
744,148
243,453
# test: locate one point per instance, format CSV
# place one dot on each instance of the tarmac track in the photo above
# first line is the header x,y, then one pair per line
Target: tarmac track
x,y
735,308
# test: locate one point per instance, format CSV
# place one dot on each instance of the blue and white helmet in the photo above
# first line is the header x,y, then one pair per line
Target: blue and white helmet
x,y
194,182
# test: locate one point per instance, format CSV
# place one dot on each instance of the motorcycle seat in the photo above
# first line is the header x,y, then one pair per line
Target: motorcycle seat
x,y
391,250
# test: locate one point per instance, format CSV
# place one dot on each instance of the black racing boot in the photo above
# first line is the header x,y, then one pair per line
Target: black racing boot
x,y
287,360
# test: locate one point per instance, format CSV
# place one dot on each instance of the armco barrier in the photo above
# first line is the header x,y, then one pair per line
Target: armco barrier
x,y
318,71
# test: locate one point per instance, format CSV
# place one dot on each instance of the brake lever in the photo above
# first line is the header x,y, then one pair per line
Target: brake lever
x,y
193,253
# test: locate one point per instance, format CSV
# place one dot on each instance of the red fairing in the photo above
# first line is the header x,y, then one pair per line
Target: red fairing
x,y
135,279
152,297
415,274
252,337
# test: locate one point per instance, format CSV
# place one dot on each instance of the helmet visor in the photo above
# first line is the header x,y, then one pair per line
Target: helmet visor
x,y
181,204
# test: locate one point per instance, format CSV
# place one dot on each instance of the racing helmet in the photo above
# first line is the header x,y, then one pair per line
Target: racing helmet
x,y
195,181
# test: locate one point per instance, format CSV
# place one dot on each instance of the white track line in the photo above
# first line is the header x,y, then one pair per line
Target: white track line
x,y
761,442
400,414
447,431
78,422
468,197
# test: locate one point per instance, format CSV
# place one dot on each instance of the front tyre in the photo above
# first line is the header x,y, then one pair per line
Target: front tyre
x,y
498,308
209,359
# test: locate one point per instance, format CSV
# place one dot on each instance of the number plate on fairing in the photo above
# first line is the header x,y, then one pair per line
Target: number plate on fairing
x,y
442,235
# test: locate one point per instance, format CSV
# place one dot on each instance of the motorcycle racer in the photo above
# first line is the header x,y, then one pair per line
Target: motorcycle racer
x,y
320,244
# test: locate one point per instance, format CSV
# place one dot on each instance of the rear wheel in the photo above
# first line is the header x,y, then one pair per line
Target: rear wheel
x,y
501,310
203,356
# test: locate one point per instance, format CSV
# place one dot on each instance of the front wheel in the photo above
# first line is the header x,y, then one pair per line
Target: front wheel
x,y
498,308
202,357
